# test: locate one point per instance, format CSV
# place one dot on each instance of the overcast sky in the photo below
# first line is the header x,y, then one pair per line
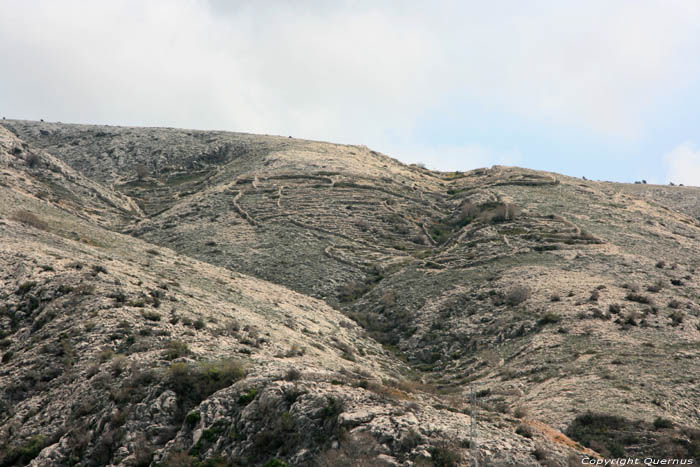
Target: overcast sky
x,y
609,90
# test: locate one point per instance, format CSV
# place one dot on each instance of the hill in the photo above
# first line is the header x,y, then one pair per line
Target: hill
x,y
186,296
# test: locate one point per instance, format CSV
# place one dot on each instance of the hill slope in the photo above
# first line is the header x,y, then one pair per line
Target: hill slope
x,y
556,296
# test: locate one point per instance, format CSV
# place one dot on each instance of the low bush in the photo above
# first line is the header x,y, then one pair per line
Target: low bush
x,y
193,418
199,324
635,297
247,398
351,292
24,453
549,318
520,412
151,315
524,430
194,383
175,349
661,423
676,317
275,463
32,159
444,456
600,432
28,218
517,295
295,351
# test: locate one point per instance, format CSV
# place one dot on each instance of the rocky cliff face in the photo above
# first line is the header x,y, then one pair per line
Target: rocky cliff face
x,y
175,297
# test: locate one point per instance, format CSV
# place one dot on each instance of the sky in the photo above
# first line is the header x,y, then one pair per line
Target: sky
x,y
609,90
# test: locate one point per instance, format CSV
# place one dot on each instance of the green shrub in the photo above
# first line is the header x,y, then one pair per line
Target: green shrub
x,y
151,315
660,423
351,292
444,456
194,383
24,453
175,349
549,318
275,463
601,432
334,407
440,233
248,397
193,418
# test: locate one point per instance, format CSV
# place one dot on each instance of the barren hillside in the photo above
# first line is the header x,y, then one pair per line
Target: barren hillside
x,y
183,297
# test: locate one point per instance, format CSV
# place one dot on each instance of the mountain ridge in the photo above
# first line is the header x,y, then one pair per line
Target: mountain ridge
x,y
523,282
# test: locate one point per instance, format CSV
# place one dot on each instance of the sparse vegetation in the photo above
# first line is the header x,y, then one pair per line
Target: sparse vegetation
x,y
176,349
30,219
549,318
635,297
599,432
199,324
151,315
444,456
247,398
517,295
193,418
23,454
662,423
524,430
103,338
32,159
193,383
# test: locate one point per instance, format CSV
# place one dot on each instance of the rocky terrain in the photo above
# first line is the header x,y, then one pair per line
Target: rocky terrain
x,y
187,298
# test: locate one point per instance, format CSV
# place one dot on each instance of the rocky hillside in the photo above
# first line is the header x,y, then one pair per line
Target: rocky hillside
x,y
174,297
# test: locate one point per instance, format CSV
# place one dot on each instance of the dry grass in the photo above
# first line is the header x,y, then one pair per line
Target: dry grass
x,y
29,218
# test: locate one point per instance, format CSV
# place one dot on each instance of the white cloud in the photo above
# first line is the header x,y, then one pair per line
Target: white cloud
x,y
458,157
683,165
356,72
